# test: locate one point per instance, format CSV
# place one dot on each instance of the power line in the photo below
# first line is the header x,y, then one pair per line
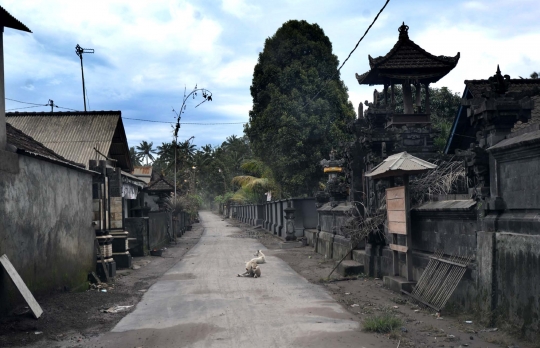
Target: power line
x,y
26,107
56,106
198,123
349,56
18,101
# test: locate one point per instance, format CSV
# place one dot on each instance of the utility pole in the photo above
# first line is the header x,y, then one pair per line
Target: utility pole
x,y
51,104
79,50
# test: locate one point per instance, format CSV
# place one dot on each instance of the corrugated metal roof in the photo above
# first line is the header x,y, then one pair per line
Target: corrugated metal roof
x,y
401,163
8,21
72,135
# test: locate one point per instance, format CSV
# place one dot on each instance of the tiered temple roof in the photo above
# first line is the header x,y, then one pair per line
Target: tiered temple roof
x,y
407,61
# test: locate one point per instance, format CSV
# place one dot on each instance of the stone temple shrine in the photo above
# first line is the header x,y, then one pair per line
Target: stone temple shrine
x,y
387,128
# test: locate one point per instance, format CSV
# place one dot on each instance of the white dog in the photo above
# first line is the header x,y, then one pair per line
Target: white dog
x,y
252,270
259,257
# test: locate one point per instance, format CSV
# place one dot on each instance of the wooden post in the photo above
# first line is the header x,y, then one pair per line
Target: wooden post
x,y
395,205
408,228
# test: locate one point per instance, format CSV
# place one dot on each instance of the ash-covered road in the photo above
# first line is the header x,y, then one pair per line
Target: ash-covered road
x,y
200,302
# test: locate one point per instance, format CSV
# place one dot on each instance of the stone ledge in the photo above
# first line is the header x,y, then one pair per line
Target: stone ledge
x,y
396,283
350,268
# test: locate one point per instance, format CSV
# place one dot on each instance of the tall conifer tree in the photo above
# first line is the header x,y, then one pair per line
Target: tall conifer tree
x,y
300,105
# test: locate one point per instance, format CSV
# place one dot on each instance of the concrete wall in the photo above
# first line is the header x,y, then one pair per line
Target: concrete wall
x,y
452,232
509,286
137,228
45,228
271,215
158,225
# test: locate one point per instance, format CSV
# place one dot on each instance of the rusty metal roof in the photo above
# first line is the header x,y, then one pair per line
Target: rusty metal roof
x,y
144,173
399,164
74,135
8,21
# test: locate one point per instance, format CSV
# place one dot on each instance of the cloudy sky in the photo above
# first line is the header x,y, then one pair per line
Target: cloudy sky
x,y
146,52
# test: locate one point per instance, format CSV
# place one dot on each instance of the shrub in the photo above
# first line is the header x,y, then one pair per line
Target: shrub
x,y
382,323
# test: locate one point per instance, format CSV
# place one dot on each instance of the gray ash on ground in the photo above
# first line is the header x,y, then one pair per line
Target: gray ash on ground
x,y
75,316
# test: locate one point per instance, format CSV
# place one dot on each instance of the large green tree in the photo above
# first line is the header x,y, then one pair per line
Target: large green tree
x,y
300,105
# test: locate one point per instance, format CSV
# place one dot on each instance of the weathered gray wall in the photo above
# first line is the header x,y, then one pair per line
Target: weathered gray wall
x,y
158,223
137,228
452,232
508,285
45,228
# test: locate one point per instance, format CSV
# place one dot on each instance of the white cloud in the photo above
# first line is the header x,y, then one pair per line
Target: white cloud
x,y
241,9
236,73
146,52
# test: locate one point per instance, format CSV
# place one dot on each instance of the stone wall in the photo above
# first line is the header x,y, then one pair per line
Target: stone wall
x,y
508,285
137,228
271,215
158,225
45,228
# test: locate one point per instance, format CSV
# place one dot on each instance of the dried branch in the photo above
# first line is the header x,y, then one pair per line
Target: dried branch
x,y
449,177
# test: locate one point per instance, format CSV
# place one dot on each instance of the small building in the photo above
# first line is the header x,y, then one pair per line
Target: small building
x,y
143,172
46,219
79,136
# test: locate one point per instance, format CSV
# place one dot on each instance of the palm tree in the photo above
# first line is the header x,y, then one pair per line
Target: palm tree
x,y
145,150
534,75
253,187
134,157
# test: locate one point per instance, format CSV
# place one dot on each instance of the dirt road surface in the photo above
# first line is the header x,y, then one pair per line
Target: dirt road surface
x,y
191,297
200,302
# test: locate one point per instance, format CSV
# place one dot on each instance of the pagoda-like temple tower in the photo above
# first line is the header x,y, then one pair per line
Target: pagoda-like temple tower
x,y
387,128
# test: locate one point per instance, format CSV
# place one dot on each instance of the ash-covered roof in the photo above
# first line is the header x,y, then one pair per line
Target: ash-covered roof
x,y
399,164
76,135
27,145
407,60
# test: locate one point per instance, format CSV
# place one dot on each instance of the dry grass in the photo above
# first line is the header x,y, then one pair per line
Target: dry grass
x,y
449,177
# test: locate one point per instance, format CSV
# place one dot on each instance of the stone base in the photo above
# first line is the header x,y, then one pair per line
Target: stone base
x,y
290,245
350,268
396,283
325,244
311,235
110,267
123,260
340,247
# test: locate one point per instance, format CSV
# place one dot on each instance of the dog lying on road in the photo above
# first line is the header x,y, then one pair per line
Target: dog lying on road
x,y
252,270
259,257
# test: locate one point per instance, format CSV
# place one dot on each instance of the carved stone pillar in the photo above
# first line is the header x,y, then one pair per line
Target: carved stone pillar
x,y
289,222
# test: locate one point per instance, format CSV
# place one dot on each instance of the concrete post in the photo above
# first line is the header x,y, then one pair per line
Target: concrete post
x,y
3,136
289,222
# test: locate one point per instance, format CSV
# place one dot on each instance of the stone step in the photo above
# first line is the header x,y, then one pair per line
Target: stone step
x,y
359,256
397,283
350,268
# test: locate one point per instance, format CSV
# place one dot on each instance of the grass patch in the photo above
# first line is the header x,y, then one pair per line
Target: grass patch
x,y
382,323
